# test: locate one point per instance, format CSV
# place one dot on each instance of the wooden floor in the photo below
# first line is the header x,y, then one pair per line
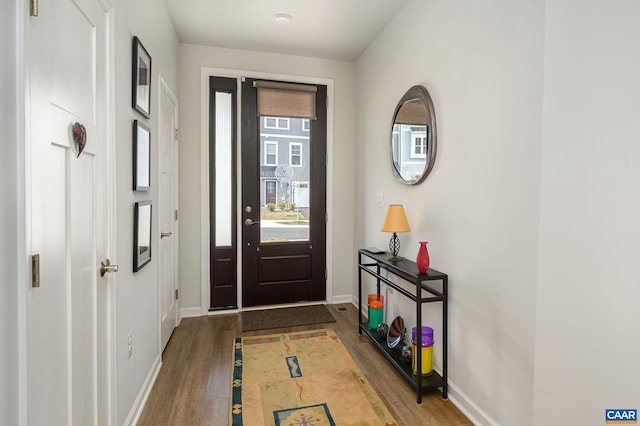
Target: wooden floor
x,y
193,385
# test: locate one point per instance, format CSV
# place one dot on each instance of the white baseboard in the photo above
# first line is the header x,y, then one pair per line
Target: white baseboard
x,y
191,312
468,407
345,298
141,399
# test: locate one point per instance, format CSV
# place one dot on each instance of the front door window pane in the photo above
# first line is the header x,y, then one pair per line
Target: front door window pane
x,y
223,169
284,180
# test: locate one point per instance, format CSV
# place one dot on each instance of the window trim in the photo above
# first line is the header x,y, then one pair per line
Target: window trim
x,y
423,137
266,153
277,126
291,144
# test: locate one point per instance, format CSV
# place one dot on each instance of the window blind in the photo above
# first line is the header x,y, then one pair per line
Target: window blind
x,y
276,99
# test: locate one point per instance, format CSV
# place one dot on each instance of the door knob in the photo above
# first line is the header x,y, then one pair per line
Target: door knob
x,y
250,222
107,267
165,234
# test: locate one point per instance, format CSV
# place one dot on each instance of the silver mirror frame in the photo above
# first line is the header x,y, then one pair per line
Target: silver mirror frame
x,y
417,93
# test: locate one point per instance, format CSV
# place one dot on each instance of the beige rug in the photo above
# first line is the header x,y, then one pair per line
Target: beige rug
x,y
301,378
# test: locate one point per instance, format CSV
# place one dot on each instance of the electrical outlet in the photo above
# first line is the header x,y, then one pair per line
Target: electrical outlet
x,y
129,345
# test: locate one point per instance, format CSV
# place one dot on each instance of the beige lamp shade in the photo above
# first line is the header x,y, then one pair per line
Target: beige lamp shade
x,y
395,219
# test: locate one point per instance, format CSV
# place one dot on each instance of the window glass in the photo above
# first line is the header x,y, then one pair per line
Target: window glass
x,y
270,153
284,181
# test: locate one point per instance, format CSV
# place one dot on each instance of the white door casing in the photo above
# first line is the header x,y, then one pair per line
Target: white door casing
x,y
68,213
168,199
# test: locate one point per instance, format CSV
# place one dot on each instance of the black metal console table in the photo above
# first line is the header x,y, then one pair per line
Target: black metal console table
x,y
374,264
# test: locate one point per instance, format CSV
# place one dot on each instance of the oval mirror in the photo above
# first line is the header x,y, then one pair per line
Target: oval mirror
x,y
413,136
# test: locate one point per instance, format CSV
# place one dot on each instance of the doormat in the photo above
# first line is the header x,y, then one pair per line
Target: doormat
x,y
285,317
301,378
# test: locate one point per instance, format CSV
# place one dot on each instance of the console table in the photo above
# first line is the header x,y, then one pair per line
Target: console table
x,y
373,263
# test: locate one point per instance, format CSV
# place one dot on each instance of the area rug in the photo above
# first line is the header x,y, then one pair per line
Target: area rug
x,y
301,378
285,317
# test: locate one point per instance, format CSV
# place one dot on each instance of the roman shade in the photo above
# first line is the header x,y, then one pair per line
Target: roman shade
x,y
413,113
276,99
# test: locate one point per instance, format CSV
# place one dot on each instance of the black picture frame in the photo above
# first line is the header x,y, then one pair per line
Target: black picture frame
x,y
141,79
142,214
141,157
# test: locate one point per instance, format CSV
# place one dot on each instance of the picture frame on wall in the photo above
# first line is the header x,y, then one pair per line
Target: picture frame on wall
x,y
141,234
141,157
141,78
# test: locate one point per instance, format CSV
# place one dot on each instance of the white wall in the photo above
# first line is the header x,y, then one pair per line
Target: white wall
x,y
10,210
482,63
192,59
137,293
588,320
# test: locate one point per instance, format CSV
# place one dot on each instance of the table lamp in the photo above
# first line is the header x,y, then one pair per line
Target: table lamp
x,y
395,221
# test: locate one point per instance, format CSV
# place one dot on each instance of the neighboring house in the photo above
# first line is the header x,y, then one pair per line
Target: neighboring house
x,y
284,162
410,149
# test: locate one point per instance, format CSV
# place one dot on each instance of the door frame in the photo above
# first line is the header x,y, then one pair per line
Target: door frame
x,y
163,86
205,73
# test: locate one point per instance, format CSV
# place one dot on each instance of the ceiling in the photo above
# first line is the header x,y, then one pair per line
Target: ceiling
x,y
330,29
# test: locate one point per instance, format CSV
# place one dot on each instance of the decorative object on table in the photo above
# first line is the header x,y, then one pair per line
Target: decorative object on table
x,y
426,345
413,137
422,260
383,330
375,296
396,332
141,235
376,311
407,352
395,221
79,137
141,79
141,157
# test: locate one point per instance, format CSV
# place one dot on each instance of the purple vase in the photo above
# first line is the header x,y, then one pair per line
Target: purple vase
x,y
422,260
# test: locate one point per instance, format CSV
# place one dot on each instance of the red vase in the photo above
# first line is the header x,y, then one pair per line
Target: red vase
x,y
423,258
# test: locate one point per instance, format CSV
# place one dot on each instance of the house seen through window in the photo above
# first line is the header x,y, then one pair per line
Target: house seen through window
x,y
284,179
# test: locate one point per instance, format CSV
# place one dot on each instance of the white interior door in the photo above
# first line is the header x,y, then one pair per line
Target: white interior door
x,y
67,223
168,198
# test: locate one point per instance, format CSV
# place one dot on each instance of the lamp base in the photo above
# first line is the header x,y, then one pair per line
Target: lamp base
x,y
394,248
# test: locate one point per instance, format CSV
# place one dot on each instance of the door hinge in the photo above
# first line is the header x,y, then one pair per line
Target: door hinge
x,y
35,270
176,294
175,134
326,217
33,7
175,214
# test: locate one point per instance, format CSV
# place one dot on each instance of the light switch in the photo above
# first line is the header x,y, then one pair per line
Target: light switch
x,y
379,200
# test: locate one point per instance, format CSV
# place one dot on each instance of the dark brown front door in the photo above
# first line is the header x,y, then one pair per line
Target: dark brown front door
x,y
283,240
270,190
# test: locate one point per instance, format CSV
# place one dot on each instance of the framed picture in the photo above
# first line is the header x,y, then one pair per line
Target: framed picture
x,y
141,157
141,79
141,235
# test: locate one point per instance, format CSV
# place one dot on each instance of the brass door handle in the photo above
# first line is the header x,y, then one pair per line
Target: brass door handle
x,y
107,267
250,222
165,234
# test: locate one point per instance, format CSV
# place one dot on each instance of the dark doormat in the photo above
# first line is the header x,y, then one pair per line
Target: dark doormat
x,y
285,317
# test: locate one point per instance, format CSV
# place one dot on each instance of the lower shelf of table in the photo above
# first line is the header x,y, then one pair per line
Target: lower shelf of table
x,y
434,380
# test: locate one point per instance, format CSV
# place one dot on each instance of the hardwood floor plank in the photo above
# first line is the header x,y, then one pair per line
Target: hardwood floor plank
x,y
193,385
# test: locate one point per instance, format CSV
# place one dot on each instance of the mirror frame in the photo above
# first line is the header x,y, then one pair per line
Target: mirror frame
x,y
417,93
